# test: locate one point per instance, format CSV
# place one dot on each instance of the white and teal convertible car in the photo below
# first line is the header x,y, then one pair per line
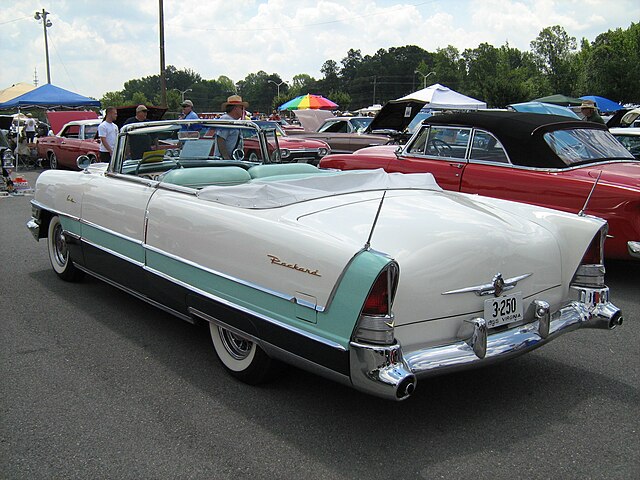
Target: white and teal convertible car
x,y
372,279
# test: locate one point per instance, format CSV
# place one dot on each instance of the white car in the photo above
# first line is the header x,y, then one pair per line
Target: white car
x,y
372,279
629,137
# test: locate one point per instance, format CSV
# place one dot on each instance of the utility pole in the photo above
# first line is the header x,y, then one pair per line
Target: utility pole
x,y
42,16
374,90
163,78
424,77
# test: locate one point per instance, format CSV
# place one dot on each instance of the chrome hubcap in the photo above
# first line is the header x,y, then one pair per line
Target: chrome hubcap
x,y
59,246
238,347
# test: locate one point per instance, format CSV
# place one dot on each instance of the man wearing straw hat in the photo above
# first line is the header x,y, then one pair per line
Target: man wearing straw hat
x,y
590,112
229,140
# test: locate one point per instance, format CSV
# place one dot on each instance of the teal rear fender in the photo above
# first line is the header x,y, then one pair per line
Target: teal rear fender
x,y
339,319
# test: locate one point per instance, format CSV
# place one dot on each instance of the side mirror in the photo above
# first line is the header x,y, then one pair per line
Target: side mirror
x,y
83,162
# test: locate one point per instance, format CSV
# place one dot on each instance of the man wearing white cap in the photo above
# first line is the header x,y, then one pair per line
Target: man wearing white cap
x,y
229,140
187,111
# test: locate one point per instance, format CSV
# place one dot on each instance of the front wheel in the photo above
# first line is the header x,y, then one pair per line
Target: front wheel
x,y
59,253
242,358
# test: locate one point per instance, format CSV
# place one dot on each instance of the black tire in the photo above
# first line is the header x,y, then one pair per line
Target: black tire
x,y
59,254
242,358
53,161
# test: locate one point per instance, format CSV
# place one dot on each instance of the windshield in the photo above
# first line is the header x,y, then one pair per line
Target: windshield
x,y
360,124
152,148
270,124
575,146
630,142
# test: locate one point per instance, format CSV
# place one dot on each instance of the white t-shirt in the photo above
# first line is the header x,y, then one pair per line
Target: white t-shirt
x,y
30,125
110,132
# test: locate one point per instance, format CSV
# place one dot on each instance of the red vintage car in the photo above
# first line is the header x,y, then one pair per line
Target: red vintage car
x,y
547,160
76,138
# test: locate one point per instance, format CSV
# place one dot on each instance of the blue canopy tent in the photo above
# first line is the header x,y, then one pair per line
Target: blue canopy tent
x,y
49,96
604,104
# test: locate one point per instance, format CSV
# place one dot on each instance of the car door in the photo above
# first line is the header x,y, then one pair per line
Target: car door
x,y
113,227
490,172
68,145
439,150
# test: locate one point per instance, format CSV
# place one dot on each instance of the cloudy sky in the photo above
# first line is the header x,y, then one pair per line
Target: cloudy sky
x,y
96,46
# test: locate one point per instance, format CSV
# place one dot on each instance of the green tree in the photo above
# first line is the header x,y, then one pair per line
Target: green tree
x,y
553,50
112,99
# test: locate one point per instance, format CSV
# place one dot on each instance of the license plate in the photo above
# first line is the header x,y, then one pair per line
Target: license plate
x,y
502,310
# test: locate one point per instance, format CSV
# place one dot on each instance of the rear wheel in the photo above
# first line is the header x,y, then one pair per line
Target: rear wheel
x,y
53,161
59,253
242,358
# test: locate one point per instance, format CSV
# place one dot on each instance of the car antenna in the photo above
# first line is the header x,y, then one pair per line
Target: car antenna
x,y
375,220
581,212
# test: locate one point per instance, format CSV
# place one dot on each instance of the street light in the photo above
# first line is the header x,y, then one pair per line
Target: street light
x,y
182,92
424,77
42,16
277,85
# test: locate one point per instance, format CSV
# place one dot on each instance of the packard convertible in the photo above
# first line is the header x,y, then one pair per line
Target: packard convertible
x,y
369,278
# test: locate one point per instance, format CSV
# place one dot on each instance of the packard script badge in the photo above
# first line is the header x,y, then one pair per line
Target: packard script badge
x,y
293,266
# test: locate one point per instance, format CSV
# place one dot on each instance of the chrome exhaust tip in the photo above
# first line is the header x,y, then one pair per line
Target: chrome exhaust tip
x,y
605,316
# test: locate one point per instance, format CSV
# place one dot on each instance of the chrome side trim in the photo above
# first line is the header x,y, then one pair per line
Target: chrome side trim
x,y
111,232
255,286
111,252
135,294
634,249
253,313
52,210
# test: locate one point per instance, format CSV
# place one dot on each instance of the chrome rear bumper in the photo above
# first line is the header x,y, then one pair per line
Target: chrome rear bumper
x,y
388,372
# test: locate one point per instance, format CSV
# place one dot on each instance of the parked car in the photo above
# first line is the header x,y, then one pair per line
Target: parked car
x,y
629,137
539,159
343,134
78,137
368,278
293,149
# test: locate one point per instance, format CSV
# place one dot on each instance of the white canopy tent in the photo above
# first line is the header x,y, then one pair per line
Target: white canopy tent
x,y
441,97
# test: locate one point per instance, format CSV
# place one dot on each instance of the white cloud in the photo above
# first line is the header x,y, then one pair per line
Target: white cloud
x,y
97,46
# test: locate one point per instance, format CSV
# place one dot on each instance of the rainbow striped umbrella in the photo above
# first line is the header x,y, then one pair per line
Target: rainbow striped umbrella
x,y
308,101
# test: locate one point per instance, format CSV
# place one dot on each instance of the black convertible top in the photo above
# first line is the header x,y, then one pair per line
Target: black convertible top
x,y
520,133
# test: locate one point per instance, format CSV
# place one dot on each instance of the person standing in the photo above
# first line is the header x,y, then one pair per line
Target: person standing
x,y
187,111
138,144
108,133
229,140
590,112
30,128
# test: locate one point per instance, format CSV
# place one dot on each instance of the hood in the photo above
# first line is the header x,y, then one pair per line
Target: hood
x,y
293,142
57,120
458,243
395,115
312,119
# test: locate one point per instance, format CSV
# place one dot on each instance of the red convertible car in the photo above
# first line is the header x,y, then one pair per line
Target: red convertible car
x,y
547,160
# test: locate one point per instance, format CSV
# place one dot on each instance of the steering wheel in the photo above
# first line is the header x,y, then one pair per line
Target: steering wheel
x,y
238,154
442,148
174,160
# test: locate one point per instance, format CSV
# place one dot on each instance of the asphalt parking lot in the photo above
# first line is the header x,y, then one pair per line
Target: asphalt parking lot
x,y
95,383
